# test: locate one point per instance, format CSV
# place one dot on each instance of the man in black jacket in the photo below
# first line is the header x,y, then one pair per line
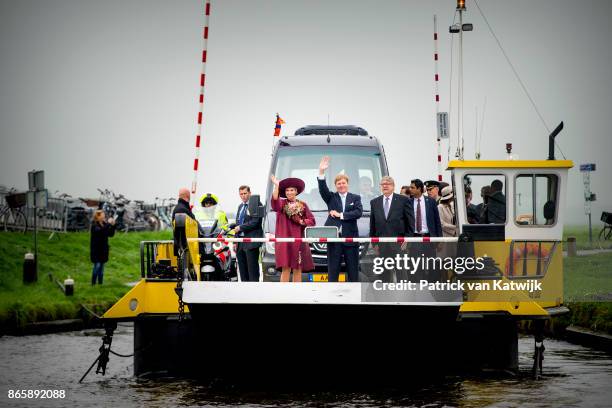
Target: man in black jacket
x,y
182,206
247,225
344,210
496,205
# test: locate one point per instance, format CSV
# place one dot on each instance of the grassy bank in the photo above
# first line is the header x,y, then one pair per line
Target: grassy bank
x,y
588,284
581,233
591,315
588,293
588,278
64,255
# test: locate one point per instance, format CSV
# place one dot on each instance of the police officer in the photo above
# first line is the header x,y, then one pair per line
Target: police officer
x,y
210,212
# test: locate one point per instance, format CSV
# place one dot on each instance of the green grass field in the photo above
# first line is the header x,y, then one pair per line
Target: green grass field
x,y
586,277
581,233
64,255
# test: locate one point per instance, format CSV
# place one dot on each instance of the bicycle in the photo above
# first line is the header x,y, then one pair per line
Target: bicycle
x,y
606,232
164,211
13,218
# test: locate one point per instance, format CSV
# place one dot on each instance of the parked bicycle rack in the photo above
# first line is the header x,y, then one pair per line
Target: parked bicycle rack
x,y
51,219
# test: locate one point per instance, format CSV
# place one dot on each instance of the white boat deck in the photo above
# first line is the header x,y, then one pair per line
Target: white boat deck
x,y
341,293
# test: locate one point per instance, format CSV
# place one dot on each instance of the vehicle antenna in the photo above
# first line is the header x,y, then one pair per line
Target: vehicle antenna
x,y
194,183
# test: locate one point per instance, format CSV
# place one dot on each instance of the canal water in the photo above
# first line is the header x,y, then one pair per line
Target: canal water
x,y
574,377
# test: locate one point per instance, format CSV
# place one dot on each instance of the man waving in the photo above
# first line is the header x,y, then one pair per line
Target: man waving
x,y
344,210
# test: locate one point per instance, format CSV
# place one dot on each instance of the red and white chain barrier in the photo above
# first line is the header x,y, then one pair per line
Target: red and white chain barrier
x,y
313,240
194,183
437,92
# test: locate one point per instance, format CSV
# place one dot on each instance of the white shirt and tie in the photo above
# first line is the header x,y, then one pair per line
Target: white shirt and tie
x,y
423,227
342,199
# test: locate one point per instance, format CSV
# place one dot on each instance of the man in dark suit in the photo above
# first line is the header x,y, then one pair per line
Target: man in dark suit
x,y
425,212
247,225
390,214
344,210
427,224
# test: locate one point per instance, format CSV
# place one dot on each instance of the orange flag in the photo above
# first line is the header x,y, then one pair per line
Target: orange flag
x,y
277,128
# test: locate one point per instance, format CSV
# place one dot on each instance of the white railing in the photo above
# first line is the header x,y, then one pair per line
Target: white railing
x,y
312,240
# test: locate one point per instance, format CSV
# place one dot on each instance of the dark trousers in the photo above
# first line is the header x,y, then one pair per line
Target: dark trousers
x,y
97,274
389,250
426,250
335,252
248,264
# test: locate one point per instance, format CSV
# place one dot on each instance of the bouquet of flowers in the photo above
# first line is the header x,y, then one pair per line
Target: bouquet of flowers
x,y
294,210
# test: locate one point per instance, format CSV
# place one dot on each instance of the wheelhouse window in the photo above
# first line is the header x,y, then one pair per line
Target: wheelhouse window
x,y
485,198
535,199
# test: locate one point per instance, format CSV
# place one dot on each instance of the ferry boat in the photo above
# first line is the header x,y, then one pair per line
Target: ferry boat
x,y
325,333
333,330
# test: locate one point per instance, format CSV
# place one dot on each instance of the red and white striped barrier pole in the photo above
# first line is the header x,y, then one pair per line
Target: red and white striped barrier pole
x,y
437,92
194,183
312,240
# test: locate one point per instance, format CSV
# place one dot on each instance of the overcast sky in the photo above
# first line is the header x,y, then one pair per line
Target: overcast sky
x,y
104,93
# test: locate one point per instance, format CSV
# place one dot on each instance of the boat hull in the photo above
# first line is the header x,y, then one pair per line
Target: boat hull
x,y
321,344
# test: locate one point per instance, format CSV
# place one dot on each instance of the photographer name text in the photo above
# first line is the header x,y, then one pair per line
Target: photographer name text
x,y
530,285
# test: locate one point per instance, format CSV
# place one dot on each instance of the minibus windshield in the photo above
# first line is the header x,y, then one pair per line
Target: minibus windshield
x,y
361,164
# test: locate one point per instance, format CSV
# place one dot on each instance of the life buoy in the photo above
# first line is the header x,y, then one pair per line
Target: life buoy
x,y
520,251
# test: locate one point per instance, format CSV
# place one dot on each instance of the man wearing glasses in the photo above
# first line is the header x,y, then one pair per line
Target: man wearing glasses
x,y
391,215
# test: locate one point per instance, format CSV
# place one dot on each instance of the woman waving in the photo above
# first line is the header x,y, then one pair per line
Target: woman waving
x,y
293,216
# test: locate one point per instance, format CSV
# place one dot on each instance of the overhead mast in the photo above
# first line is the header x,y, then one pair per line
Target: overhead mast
x,y
460,144
460,28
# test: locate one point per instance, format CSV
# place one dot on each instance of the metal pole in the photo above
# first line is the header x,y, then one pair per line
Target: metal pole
x,y
436,79
590,230
35,236
460,93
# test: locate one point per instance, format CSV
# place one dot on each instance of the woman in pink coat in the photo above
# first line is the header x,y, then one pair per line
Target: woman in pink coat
x,y
292,217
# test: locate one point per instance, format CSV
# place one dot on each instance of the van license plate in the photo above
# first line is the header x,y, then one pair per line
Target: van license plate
x,y
322,277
